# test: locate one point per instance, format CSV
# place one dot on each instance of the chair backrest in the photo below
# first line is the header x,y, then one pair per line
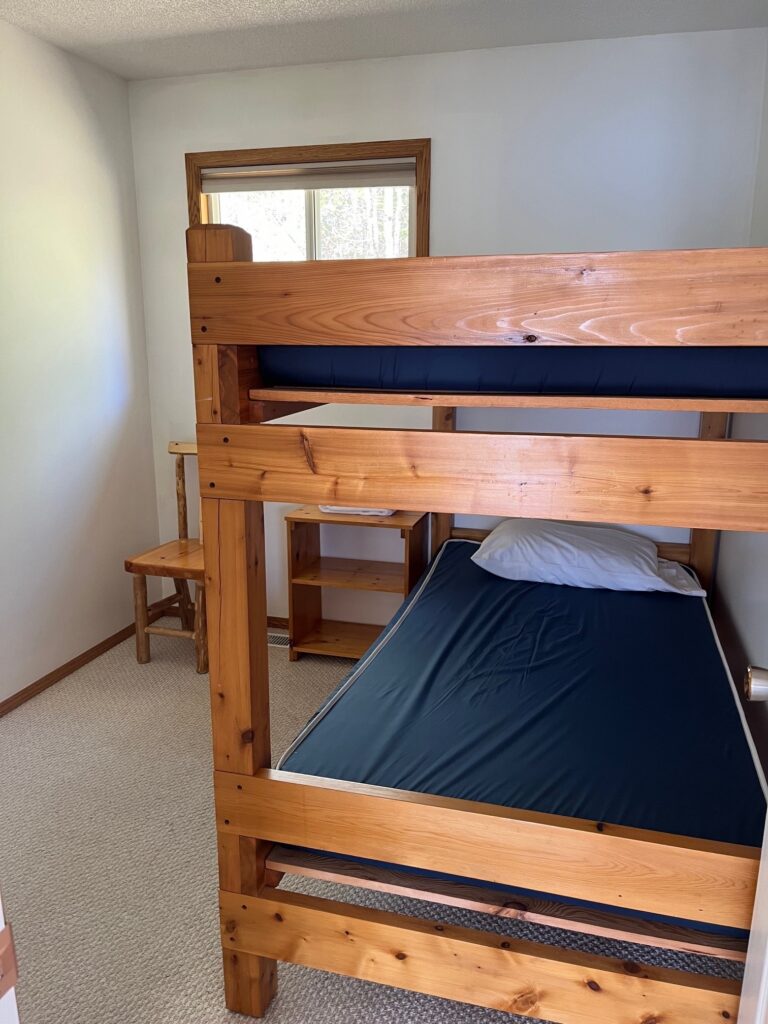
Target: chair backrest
x,y
180,449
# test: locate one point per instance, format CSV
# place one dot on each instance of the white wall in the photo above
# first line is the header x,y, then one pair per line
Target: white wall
x,y
75,458
612,144
743,563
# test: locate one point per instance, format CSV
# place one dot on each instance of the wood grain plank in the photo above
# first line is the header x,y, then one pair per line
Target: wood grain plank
x,y
9,969
305,605
276,396
177,559
416,553
182,448
224,376
206,372
704,543
237,633
235,586
263,412
680,297
652,481
609,864
470,966
443,419
351,574
399,520
340,639
503,903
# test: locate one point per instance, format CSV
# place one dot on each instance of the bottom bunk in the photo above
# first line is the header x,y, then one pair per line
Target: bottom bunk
x,y
565,756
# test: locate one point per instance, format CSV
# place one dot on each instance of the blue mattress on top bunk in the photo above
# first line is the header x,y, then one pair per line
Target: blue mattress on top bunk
x,y
595,704
549,370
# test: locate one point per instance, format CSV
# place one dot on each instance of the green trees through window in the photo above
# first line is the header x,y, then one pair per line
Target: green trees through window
x,y
325,223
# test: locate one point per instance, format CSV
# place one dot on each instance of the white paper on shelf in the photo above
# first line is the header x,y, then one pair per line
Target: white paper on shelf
x,y
343,510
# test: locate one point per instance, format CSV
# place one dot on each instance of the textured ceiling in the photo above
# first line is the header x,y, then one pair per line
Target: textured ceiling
x,y
156,38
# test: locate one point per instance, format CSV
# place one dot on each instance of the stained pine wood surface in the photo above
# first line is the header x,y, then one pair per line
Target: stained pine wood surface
x,y
652,481
610,864
680,297
470,966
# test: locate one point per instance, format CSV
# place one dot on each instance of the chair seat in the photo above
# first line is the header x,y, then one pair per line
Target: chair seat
x,y
178,559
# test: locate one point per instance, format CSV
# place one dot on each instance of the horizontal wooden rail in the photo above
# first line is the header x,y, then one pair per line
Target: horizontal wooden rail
x,y
287,860
655,481
570,857
477,967
291,396
680,297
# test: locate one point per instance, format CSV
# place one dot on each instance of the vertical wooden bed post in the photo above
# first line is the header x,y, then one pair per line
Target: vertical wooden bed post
x,y
704,543
237,629
443,418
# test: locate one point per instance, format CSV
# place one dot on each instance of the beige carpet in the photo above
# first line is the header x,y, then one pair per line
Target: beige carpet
x,y
107,855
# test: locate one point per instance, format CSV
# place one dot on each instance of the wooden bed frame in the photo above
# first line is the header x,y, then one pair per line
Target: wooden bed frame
x,y
710,483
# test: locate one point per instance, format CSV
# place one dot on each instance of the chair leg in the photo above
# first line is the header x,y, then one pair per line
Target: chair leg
x,y
141,615
186,612
201,629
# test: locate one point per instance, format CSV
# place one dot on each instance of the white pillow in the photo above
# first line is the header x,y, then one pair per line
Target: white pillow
x,y
574,555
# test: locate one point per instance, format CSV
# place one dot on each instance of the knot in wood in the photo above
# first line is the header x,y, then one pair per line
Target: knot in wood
x,y
525,1002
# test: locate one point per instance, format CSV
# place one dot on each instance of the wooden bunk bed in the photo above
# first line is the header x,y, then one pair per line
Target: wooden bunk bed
x,y
269,822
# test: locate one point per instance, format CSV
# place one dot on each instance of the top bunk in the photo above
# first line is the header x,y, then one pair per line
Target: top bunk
x,y
688,303
681,329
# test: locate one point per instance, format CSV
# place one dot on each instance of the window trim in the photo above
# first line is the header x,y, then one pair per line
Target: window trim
x,y
418,149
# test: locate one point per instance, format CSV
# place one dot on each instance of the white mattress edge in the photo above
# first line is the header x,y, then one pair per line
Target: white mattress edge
x,y
739,706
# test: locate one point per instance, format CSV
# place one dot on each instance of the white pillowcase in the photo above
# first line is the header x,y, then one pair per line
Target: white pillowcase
x,y
574,555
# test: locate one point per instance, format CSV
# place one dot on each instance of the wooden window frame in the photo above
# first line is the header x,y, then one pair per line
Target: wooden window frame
x,y
418,149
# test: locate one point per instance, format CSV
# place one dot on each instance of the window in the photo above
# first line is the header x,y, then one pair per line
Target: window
x,y
353,210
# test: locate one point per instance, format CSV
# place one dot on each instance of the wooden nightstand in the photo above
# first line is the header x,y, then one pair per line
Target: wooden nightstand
x,y
309,571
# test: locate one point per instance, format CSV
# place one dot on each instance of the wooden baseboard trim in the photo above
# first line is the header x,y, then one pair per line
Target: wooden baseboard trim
x,y
156,611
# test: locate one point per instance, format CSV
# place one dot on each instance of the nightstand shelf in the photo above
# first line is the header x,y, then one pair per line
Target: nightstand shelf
x,y
309,572
341,639
353,574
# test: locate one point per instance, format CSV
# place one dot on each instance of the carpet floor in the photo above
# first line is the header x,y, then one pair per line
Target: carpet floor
x,y
107,857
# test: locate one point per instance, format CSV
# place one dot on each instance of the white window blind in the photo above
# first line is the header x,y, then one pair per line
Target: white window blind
x,y
347,174
353,209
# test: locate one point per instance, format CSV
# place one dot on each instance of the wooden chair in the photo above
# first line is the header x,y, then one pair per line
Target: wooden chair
x,y
180,560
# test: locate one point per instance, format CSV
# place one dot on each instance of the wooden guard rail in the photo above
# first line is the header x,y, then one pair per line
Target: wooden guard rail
x,y
602,863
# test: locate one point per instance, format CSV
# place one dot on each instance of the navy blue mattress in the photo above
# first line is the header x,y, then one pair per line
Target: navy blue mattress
x,y
596,704
547,370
